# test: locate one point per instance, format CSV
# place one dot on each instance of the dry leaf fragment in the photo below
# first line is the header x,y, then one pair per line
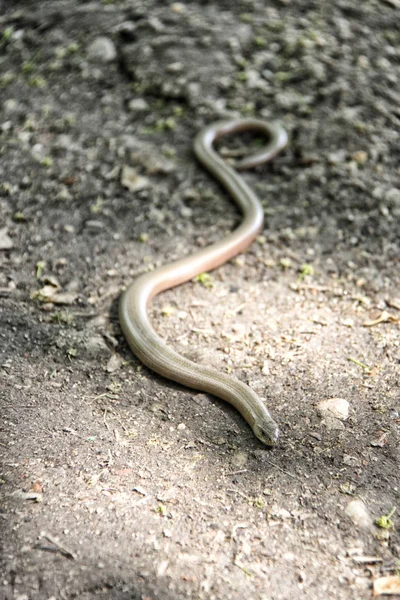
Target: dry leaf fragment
x,y
387,585
380,441
132,180
114,363
383,318
51,293
45,294
65,298
140,490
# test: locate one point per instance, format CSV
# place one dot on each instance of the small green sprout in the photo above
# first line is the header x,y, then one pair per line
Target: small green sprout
x,y
167,311
259,502
40,266
46,161
205,279
162,510
385,521
305,269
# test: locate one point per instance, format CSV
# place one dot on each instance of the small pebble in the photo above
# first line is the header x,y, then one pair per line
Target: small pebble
x,y
334,407
114,363
333,424
358,513
178,7
96,347
6,242
102,49
392,197
239,459
138,105
132,180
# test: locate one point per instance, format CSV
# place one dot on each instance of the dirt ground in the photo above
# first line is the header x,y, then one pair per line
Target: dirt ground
x,y
117,484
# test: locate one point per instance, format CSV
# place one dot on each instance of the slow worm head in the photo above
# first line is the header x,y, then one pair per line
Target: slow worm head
x,y
140,335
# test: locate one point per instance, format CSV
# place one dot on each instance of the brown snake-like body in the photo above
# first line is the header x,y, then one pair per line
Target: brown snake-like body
x,y
142,338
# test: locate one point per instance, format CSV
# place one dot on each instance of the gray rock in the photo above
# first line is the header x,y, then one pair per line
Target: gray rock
x,y
114,363
392,197
138,105
244,34
6,242
96,347
132,180
333,424
336,408
359,514
102,50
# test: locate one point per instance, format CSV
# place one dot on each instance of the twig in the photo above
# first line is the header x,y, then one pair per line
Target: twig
x,y
366,368
62,549
280,469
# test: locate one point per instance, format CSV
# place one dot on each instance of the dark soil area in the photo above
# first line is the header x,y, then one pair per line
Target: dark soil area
x,y
117,484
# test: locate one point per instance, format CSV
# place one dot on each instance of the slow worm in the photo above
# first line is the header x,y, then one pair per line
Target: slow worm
x,y
141,337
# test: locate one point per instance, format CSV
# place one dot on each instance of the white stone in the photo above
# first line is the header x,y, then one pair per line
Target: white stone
x,y
6,242
138,105
358,513
132,180
102,49
337,408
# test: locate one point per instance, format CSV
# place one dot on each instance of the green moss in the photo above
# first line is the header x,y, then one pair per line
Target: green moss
x,y
27,67
246,18
62,317
242,76
260,41
37,81
167,124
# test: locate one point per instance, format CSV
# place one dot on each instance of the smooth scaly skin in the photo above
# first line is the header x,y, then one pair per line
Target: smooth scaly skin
x,y
141,337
